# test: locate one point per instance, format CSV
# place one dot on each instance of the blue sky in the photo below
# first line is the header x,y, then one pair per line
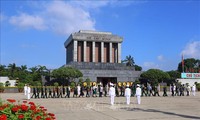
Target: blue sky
x,y
155,33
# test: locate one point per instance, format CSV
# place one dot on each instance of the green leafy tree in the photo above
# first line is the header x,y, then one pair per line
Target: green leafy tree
x,y
12,69
3,70
155,76
88,81
138,68
190,65
173,76
66,73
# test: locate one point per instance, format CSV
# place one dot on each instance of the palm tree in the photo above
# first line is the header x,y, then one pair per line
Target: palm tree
x,y
33,69
12,68
23,68
129,61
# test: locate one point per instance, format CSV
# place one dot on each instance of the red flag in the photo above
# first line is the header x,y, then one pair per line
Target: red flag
x,y
182,63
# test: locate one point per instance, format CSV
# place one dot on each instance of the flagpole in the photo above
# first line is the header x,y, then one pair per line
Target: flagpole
x,y
182,64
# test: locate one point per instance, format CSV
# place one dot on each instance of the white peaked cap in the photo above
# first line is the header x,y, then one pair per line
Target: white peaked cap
x,y
138,85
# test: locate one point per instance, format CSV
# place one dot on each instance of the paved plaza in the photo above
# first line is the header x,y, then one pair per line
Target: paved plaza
x,y
151,108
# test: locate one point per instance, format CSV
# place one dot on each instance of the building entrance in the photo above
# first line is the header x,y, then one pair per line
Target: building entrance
x,y
106,80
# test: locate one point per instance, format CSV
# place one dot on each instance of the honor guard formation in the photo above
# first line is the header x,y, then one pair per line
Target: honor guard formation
x,y
110,89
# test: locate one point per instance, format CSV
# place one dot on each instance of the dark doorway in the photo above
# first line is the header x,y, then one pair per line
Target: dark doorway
x,y
106,80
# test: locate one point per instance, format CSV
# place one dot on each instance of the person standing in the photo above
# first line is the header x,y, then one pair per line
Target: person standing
x,y
165,91
87,91
25,89
193,90
28,92
127,94
50,91
112,93
105,90
138,93
79,90
34,92
188,90
101,91
75,91
45,91
68,89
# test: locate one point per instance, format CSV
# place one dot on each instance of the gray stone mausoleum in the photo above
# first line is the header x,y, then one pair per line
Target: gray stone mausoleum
x,y
98,56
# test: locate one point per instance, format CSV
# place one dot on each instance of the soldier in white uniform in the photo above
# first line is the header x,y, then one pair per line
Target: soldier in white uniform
x,y
127,94
25,89
112,94
79,90
28,92
193,90
138,93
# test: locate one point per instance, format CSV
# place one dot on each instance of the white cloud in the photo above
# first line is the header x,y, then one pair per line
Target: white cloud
x,y
150,65
64,18
90,4
57,16
160,57
28,21
192,49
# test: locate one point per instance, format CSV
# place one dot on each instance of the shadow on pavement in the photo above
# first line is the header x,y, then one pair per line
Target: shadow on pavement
x,y
164,112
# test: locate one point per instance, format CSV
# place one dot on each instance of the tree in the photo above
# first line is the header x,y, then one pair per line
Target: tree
x,y
12,68
173,76
190,65
155,76
138,68
129,61
66,73
3,70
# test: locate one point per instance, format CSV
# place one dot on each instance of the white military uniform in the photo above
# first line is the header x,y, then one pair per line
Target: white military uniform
x,y
193,90
138,94
78,90
112,94
127,94
25,90
28,93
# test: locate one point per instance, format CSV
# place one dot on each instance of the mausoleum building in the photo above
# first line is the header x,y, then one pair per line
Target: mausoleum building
x,y
98,56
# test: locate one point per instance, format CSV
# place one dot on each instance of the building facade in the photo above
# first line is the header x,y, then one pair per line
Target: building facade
x,y
98,56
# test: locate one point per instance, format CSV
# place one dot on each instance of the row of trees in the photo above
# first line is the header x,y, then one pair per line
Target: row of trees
x,y
34,75
65,74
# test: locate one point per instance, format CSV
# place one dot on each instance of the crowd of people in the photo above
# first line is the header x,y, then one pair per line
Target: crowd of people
x,y
110,89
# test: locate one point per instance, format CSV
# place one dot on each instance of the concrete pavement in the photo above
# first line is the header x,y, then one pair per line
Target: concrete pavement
x,y
151,108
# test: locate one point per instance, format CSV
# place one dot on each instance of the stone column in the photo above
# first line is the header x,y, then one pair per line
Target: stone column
x,y
75,51
84,51
102,52
119,52
115,57
110,53
93,51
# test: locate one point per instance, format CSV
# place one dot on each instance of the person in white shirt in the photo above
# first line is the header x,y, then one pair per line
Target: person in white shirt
x,y
138,93
28,92
25,89
193,90
127,94
79,89
112,93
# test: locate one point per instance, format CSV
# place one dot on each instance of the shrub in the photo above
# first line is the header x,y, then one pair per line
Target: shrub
x,y
198,86
56,84
1,87
20,87
25,111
